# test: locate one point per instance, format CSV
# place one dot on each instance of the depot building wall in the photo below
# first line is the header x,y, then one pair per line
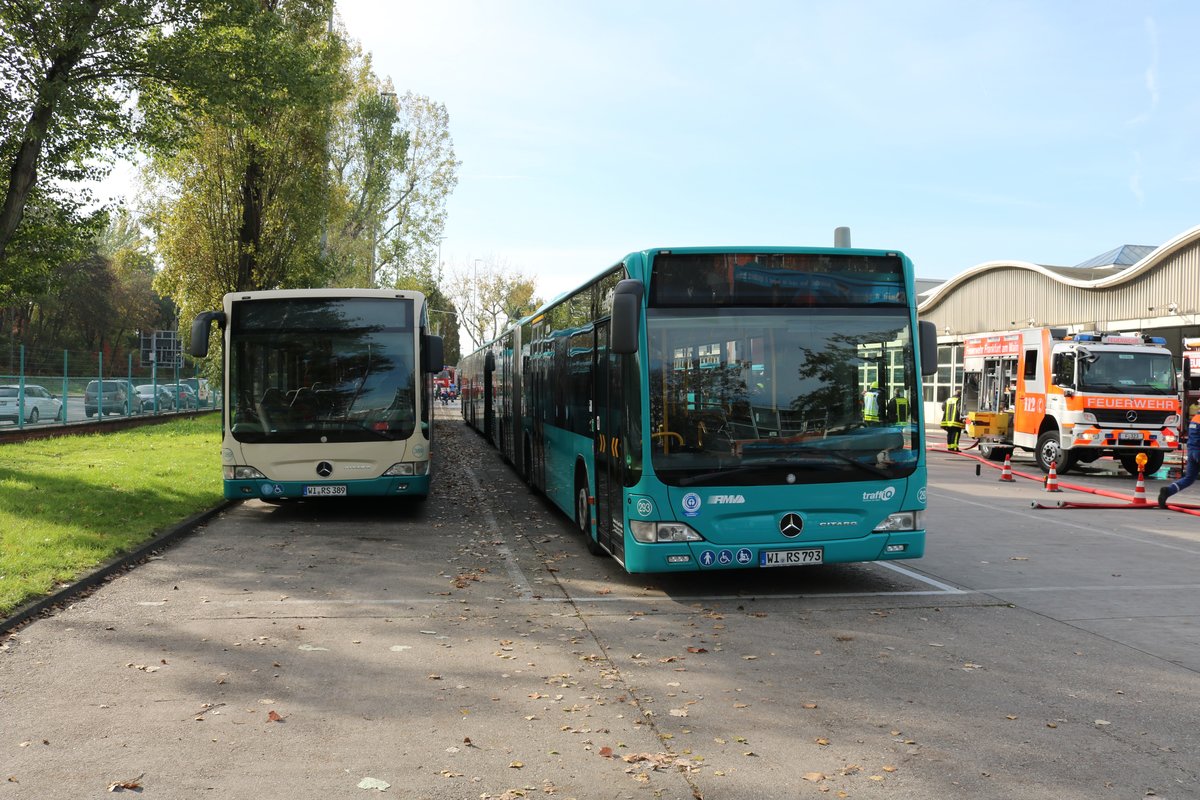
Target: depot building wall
x,y
1159,294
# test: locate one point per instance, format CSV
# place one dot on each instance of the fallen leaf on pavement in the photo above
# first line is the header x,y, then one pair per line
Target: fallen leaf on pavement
x,y
131,784
374,783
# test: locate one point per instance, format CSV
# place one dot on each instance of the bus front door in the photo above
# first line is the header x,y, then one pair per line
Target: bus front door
x,y
610,525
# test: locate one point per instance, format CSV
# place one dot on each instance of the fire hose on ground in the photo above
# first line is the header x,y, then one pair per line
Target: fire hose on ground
x,y
1130,502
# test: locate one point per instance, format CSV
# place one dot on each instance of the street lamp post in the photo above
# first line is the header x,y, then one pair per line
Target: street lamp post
x,y
440,311
475,288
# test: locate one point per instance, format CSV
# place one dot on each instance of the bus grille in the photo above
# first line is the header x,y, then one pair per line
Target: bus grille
x,y
1117,416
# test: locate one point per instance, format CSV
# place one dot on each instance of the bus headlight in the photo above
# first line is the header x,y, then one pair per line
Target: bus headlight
x,y
901,521
407,469
233,473
651,532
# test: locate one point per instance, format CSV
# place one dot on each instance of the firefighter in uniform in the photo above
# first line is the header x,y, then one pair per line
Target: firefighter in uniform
x,y
898,408
870,412
952,420
1191,467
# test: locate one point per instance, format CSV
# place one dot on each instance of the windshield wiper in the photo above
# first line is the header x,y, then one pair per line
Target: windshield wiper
x,y
845,459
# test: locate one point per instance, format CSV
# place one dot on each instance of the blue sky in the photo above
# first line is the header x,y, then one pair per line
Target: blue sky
x,y
956,132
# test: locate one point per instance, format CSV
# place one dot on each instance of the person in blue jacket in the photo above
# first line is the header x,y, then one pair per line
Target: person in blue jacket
x,y
1191,467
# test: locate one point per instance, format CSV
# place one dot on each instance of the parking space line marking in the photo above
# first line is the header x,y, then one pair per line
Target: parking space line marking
x,y
916,576
510,562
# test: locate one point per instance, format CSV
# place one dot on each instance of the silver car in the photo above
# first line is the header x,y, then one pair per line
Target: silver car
x,y
39,404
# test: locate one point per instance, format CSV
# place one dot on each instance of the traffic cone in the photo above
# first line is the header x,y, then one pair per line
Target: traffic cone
x,y
1139,491
1006,472
1052,478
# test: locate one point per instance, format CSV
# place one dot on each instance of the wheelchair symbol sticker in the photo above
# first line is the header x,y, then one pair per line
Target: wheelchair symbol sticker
x,y
744,556
725,557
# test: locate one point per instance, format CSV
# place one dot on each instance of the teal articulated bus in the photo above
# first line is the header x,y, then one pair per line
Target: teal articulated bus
x,y
721,408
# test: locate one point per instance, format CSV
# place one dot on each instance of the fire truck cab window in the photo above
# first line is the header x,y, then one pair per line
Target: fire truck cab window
x,y
1064,369
1031,362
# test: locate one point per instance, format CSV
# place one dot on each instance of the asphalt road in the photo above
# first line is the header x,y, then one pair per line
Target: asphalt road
x,y
469,647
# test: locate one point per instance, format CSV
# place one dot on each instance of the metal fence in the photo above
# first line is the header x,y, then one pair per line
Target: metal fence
x,y
63,387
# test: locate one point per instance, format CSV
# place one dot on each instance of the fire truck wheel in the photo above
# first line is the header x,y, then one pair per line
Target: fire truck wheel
x,y
1049,451
993,452
1154,462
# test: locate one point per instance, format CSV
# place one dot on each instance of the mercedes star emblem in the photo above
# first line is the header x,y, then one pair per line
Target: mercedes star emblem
x,y
791,524
324,469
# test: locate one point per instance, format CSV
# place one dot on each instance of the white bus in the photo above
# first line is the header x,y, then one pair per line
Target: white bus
x,y
327,392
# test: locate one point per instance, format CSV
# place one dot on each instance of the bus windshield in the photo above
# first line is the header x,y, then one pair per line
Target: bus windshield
x,y
322,370
753,396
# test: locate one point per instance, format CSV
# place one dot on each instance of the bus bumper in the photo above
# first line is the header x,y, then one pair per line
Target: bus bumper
x,y
695,556
408,486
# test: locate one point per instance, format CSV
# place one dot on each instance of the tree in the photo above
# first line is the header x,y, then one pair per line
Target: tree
x,y
244,197
67,69
443,315
94,300
367,150
415,218
489,302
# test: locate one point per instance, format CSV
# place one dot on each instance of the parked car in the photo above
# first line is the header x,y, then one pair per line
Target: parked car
x,y
146,392
119,397
183,395
39,404
200,388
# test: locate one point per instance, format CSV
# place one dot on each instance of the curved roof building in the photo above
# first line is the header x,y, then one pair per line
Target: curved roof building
x,y
1134,287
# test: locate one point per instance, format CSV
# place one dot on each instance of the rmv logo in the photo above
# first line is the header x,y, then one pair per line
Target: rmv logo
x,y
726,499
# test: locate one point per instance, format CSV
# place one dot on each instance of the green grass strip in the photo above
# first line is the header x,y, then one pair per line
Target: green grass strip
x,y
70,503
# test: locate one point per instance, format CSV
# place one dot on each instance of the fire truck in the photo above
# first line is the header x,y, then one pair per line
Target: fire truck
x,y
1071,398
447,380
1189,389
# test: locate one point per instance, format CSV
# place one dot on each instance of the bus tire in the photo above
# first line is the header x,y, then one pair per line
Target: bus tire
x,y
526,455
583,513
